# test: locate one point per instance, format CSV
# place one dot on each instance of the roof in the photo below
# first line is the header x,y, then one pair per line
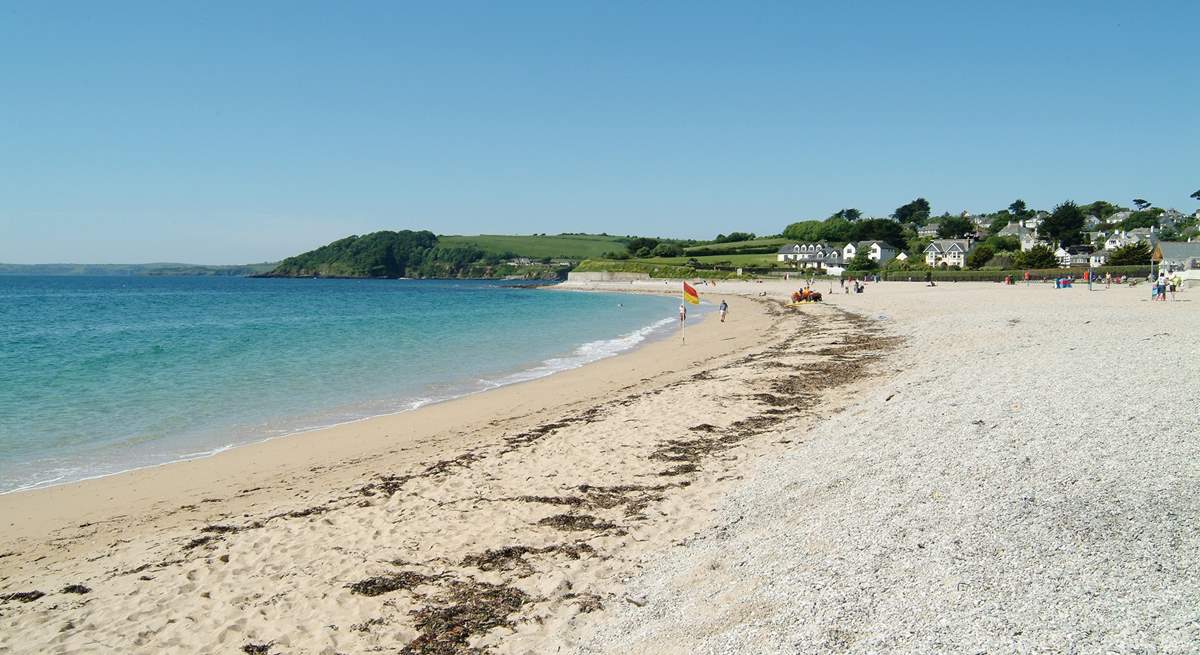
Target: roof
x,y
883,245
1179,250
943,245
1014,230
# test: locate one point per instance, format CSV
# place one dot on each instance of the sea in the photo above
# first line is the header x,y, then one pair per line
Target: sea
x,y
106,374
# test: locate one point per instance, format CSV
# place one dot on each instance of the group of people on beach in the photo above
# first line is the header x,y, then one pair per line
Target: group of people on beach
x,y
1166,283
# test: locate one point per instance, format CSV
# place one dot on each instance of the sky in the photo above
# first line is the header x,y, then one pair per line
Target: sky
x,y
237,132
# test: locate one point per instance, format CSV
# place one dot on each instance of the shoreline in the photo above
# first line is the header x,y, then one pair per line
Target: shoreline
x,y
503,379
530,503
68,492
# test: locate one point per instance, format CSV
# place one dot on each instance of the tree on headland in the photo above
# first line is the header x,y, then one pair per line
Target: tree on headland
x,y
850,214
1000,220
405,253
954,227
641,246
1141,203
981,255
804,231
1101,209
915,212
1018,209
838,230
862,262
879,229
1196,195
1133,254
667,250
1039,256
1141,218
1064,225
733,237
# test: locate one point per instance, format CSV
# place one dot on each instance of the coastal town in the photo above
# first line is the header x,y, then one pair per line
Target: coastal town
x,y
1160,241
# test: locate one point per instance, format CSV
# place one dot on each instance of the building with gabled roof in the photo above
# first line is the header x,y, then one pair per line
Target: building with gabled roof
x,y
951,252
879,251
810,255
1177,255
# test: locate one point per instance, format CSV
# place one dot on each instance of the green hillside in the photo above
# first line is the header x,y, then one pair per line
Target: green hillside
x,y
754,246
388,254
561,246
747,260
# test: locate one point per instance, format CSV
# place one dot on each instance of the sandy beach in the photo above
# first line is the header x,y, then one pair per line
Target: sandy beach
x,y
962,468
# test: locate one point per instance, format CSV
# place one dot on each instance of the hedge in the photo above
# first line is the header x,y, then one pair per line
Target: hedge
x,y
918,275
653,270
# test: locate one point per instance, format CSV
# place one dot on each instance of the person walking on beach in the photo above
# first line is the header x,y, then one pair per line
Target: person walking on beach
x,y
724,308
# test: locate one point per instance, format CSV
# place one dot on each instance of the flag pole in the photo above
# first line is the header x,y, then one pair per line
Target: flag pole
x,y
682,315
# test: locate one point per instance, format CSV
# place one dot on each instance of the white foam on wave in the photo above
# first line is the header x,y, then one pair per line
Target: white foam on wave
x,y
592,351
586,353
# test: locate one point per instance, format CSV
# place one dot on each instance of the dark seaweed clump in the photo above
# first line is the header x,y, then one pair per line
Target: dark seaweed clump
x,y
383,584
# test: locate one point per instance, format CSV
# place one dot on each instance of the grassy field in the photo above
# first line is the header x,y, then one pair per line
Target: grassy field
x,y
648,267
568,246
756,261
774,242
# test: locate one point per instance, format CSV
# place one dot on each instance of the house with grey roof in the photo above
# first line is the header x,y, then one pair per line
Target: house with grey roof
x,y
1177,255
878,251
951,252
1098,258
929,229
1028,237
810,255
1123,238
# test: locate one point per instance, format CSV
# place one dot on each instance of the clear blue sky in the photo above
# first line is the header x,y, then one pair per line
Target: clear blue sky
x,y
232,132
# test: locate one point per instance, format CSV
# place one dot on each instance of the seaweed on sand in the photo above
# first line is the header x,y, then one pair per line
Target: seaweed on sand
x,y
382,584
576,522
682,469
469,609
587,603
511,558
22,596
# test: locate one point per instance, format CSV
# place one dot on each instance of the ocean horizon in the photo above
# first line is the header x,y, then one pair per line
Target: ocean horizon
x,y
102,375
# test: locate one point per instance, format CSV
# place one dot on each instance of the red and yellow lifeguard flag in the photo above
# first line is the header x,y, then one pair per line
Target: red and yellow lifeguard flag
x,y
690,295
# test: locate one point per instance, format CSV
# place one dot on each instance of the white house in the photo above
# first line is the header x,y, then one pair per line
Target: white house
x,y
951,252
1035,221
928,230
1122,238
877,251
1078,256
810,255
903,256
1027,237
1098,258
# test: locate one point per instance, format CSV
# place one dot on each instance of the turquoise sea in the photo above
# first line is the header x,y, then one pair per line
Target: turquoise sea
x,y
105,374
